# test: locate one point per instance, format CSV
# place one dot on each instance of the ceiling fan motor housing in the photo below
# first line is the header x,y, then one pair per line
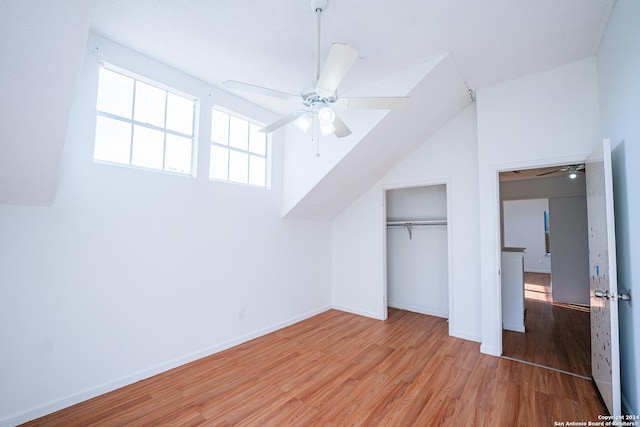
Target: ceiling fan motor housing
x,y
313,100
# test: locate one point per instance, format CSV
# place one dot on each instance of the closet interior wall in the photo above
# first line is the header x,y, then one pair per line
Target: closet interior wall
x,y
417,249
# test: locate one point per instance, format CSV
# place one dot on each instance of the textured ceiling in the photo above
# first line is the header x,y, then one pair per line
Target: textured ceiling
x,y
272,43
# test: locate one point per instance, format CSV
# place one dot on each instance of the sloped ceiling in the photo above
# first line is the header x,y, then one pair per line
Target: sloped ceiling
x,y
41,48
437,97
269,43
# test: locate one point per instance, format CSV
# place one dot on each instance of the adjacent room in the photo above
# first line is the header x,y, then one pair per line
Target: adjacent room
x,y
297,212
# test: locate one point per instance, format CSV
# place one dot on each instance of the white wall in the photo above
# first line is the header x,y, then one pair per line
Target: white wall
x,y
619,84
426,202
42,47
548,118
569,250
524,228
358,244
133,272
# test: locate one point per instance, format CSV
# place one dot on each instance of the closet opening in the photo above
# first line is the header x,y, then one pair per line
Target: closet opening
x,y
417,249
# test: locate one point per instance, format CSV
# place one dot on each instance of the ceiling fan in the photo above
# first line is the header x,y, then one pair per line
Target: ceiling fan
x,y
318,102
571,169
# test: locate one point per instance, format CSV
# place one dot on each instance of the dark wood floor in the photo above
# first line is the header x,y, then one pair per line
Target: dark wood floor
x,y
341,369
557,335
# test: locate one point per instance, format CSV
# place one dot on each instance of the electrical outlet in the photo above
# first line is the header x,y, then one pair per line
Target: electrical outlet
x,y
241,313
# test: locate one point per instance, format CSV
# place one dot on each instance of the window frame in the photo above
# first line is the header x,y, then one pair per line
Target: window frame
x,y
165,131
230,148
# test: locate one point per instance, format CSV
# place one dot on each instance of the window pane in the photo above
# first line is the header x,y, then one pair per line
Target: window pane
x,y
149,106
179,114
115,93
257,140
220,127
238,133
257,170
219,162
148,147
178,154
113,140
238,167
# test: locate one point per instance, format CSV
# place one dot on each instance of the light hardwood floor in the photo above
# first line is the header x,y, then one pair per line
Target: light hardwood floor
x,y
556,335
341,369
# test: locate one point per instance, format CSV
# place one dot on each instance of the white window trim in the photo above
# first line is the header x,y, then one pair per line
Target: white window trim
x,y
196,119
267,155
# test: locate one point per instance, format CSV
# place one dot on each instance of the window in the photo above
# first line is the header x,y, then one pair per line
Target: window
x,y
140,123
239,152
547,242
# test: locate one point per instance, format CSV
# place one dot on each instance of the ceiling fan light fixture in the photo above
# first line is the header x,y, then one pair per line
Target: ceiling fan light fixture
x,y
326,116
304,122
573,172
317,99
327,129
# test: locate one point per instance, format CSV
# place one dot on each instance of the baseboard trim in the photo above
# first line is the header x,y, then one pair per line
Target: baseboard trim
x,y
65,402
359,312
466,336
513,327
490,350
419,309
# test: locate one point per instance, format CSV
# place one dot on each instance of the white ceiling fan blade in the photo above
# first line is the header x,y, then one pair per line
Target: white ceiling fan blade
x,y
282,122
340,59
342,129
376,103
247,87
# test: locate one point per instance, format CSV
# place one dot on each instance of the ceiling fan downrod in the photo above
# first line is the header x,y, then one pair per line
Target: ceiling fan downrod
x,y
317,6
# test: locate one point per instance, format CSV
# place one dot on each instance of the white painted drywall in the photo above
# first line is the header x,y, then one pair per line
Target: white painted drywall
x,y
132,272
41,52
540,119
425,202
569,250
417,265
619,85
358,234
524,228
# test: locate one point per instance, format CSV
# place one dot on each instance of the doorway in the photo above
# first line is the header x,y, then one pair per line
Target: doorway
x,y
555,280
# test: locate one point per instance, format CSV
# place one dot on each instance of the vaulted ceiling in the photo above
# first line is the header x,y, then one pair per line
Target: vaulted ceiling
x,y
269,43
272,43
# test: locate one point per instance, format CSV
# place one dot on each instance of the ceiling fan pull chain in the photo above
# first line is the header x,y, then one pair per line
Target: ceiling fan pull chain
x,y
315,134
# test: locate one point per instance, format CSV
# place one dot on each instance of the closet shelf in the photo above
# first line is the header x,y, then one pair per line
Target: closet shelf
x,y
428,222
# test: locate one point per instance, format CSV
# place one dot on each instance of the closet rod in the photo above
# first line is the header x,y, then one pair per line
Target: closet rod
x,y
404,223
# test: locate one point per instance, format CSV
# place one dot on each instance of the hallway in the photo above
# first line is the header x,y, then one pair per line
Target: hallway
x,y
557,335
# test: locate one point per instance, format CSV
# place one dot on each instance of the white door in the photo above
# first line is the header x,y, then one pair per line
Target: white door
x,y
605,346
